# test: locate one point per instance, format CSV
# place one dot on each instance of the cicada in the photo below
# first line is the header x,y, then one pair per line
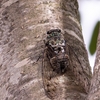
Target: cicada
x,y
59,58
56,51
55,62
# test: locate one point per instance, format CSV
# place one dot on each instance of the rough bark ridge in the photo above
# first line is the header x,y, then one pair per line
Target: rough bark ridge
x,y
94,93
23,27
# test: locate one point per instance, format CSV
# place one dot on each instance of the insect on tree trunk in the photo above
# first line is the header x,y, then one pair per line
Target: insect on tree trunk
x,y
25,70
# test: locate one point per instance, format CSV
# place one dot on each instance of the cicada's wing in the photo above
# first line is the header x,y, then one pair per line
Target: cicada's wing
x,y
48,76
78,70
50,80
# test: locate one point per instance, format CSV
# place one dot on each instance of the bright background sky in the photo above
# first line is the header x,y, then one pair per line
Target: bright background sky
x,y
90,14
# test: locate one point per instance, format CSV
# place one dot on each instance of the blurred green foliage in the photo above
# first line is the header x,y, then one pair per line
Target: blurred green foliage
x,y
93,42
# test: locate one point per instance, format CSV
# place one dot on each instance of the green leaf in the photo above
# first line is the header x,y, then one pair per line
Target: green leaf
x,y
93,42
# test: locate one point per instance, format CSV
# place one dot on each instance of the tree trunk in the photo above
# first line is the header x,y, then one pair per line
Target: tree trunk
x,y
23,27
94,93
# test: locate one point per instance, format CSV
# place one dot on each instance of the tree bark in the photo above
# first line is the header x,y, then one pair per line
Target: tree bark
x,y
94,93
23,27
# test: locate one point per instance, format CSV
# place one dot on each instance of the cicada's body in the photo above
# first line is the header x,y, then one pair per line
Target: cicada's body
x,y
56,52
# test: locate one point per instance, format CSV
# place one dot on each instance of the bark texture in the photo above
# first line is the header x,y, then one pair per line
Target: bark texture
x,y
23,27
94,93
